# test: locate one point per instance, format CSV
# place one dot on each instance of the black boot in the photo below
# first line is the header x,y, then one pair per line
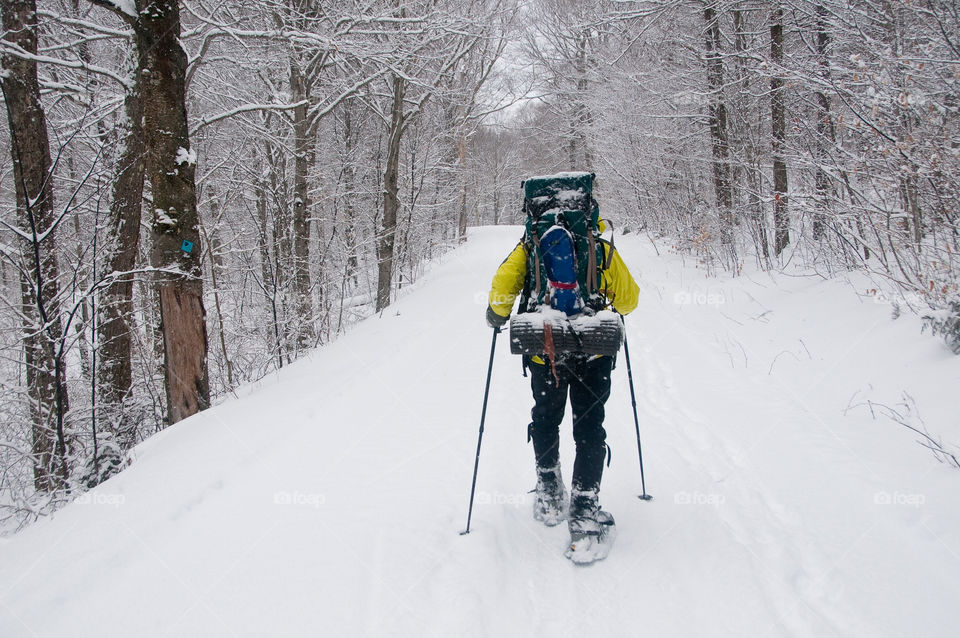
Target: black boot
x,y
591,529
584,509
549,505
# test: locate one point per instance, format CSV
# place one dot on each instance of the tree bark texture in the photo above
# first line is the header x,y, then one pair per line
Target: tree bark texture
x,y
176,234
349,186
753,173
303,132
115,325
462,163
268,270
781,219
42,327
717,117
826,136
386,232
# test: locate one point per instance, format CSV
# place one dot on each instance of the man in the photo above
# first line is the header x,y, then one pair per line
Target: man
x,y
585,378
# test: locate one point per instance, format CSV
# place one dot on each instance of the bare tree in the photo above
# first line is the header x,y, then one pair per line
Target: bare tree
x,y
305,64
171,166
36,231
778,117
387,229
423,62
826,134
114,327
717,118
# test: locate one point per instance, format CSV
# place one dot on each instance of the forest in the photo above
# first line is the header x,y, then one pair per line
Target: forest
x,y
199,192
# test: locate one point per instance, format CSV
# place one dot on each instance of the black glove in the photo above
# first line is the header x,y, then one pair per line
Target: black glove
x,y
494,320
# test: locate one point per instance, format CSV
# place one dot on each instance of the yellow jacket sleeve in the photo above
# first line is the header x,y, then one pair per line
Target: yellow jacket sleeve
x,y
508,282
618,284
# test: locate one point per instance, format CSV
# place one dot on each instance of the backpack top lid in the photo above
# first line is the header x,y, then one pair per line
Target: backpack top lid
x,y
566,191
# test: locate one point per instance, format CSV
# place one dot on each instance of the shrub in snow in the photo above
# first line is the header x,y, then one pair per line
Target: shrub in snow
x,y
107,462
946,323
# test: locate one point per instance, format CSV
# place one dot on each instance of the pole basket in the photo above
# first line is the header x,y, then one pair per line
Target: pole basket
x,y
532,332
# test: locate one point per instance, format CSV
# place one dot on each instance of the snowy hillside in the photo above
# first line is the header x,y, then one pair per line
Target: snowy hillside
x,y
328,499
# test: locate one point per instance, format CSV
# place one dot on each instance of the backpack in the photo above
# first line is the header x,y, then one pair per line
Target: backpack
x,y
565,254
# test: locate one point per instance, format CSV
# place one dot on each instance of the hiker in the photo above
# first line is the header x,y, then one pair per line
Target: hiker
x,y
585,377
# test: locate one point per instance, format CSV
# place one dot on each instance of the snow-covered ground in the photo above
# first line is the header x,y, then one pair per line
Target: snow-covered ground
x,y
327,499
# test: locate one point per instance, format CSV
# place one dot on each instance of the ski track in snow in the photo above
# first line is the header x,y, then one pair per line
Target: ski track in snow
x,y
328,498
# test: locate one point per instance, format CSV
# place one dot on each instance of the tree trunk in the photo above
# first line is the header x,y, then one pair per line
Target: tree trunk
x,y
719,136
115,324
80,327
349,186
781,219
214,252
462,155
386,232
268,269
580,157
281,246
825,130
176,236
42,328
754,176
909,188
303,160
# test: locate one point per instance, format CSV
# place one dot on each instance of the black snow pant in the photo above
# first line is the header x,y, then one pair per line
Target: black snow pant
x,y
588,382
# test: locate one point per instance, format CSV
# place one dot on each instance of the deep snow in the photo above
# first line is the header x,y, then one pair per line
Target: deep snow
x,y
327,499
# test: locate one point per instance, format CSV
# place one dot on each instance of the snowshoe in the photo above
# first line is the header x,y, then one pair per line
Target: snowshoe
x,y
549,504
592,542
591,529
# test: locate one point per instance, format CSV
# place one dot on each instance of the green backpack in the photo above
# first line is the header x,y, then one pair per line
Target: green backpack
x,y
566,200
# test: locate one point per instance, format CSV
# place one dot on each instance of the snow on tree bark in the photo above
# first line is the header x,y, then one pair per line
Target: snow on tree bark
x,y
303,162
176,237
781,220
115,326
717,118
40,305
387,229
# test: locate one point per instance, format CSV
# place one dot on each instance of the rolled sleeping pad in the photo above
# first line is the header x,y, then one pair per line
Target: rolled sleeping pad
x,y
560,264
598,334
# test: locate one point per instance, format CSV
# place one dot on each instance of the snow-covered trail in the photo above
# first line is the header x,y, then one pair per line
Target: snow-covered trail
x,y
327,500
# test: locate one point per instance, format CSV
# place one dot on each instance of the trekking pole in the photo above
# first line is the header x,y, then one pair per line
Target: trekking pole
x,y
483,415
636,420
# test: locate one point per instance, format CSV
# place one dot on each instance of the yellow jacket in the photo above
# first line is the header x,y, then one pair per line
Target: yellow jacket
x,y
616,282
